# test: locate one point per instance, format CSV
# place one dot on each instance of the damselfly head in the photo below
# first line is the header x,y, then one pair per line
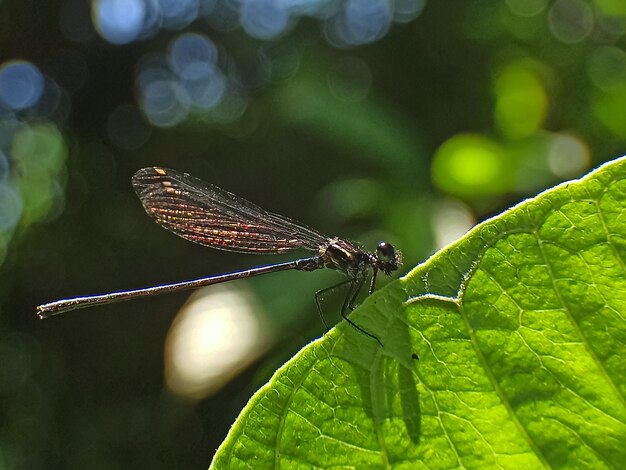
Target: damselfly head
x,y
388,259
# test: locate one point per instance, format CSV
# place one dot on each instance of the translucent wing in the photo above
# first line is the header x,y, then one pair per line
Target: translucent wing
x,y
205,214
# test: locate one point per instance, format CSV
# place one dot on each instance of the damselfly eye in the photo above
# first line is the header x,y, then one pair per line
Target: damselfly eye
x,y
386,252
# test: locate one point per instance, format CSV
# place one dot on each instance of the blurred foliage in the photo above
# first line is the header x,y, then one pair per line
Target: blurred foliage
x,y
334,113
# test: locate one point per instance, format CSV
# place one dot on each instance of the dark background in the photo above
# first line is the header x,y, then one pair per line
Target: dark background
x,y
405,121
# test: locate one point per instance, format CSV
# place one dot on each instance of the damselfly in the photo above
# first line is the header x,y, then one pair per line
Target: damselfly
x,y
205,214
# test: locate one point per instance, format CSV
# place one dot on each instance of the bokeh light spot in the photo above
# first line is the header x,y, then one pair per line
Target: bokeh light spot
x,y
470,165
152,68
571,21
264,19
55,104
223,16
350,198
39,153
568,156
407,10
165,103
361,22
283,58
216,335
11,205
119,21
476,166
366,20
188,79
193,56
152,20
451,220
206,93
521,102
231,107
21,84
38,146
177,14
607,67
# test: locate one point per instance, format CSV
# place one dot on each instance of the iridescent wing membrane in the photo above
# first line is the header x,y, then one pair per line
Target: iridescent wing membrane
x,y
208,215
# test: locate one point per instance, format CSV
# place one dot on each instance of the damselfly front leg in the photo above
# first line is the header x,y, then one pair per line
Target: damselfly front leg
x,y
321,292
355,285
348,304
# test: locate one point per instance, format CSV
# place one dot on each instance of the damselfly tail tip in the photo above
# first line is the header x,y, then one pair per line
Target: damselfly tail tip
x,y
45,311
41,312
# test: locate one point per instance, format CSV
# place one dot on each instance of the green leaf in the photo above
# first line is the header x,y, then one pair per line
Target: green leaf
x,y
521,335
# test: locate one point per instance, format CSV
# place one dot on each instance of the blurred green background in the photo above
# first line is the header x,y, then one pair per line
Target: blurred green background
x,y
408,121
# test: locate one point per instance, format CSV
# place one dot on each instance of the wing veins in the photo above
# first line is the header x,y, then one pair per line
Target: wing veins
x,y
208,215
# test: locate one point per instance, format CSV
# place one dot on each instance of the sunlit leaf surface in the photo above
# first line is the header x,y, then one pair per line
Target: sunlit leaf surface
x,y
521,336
